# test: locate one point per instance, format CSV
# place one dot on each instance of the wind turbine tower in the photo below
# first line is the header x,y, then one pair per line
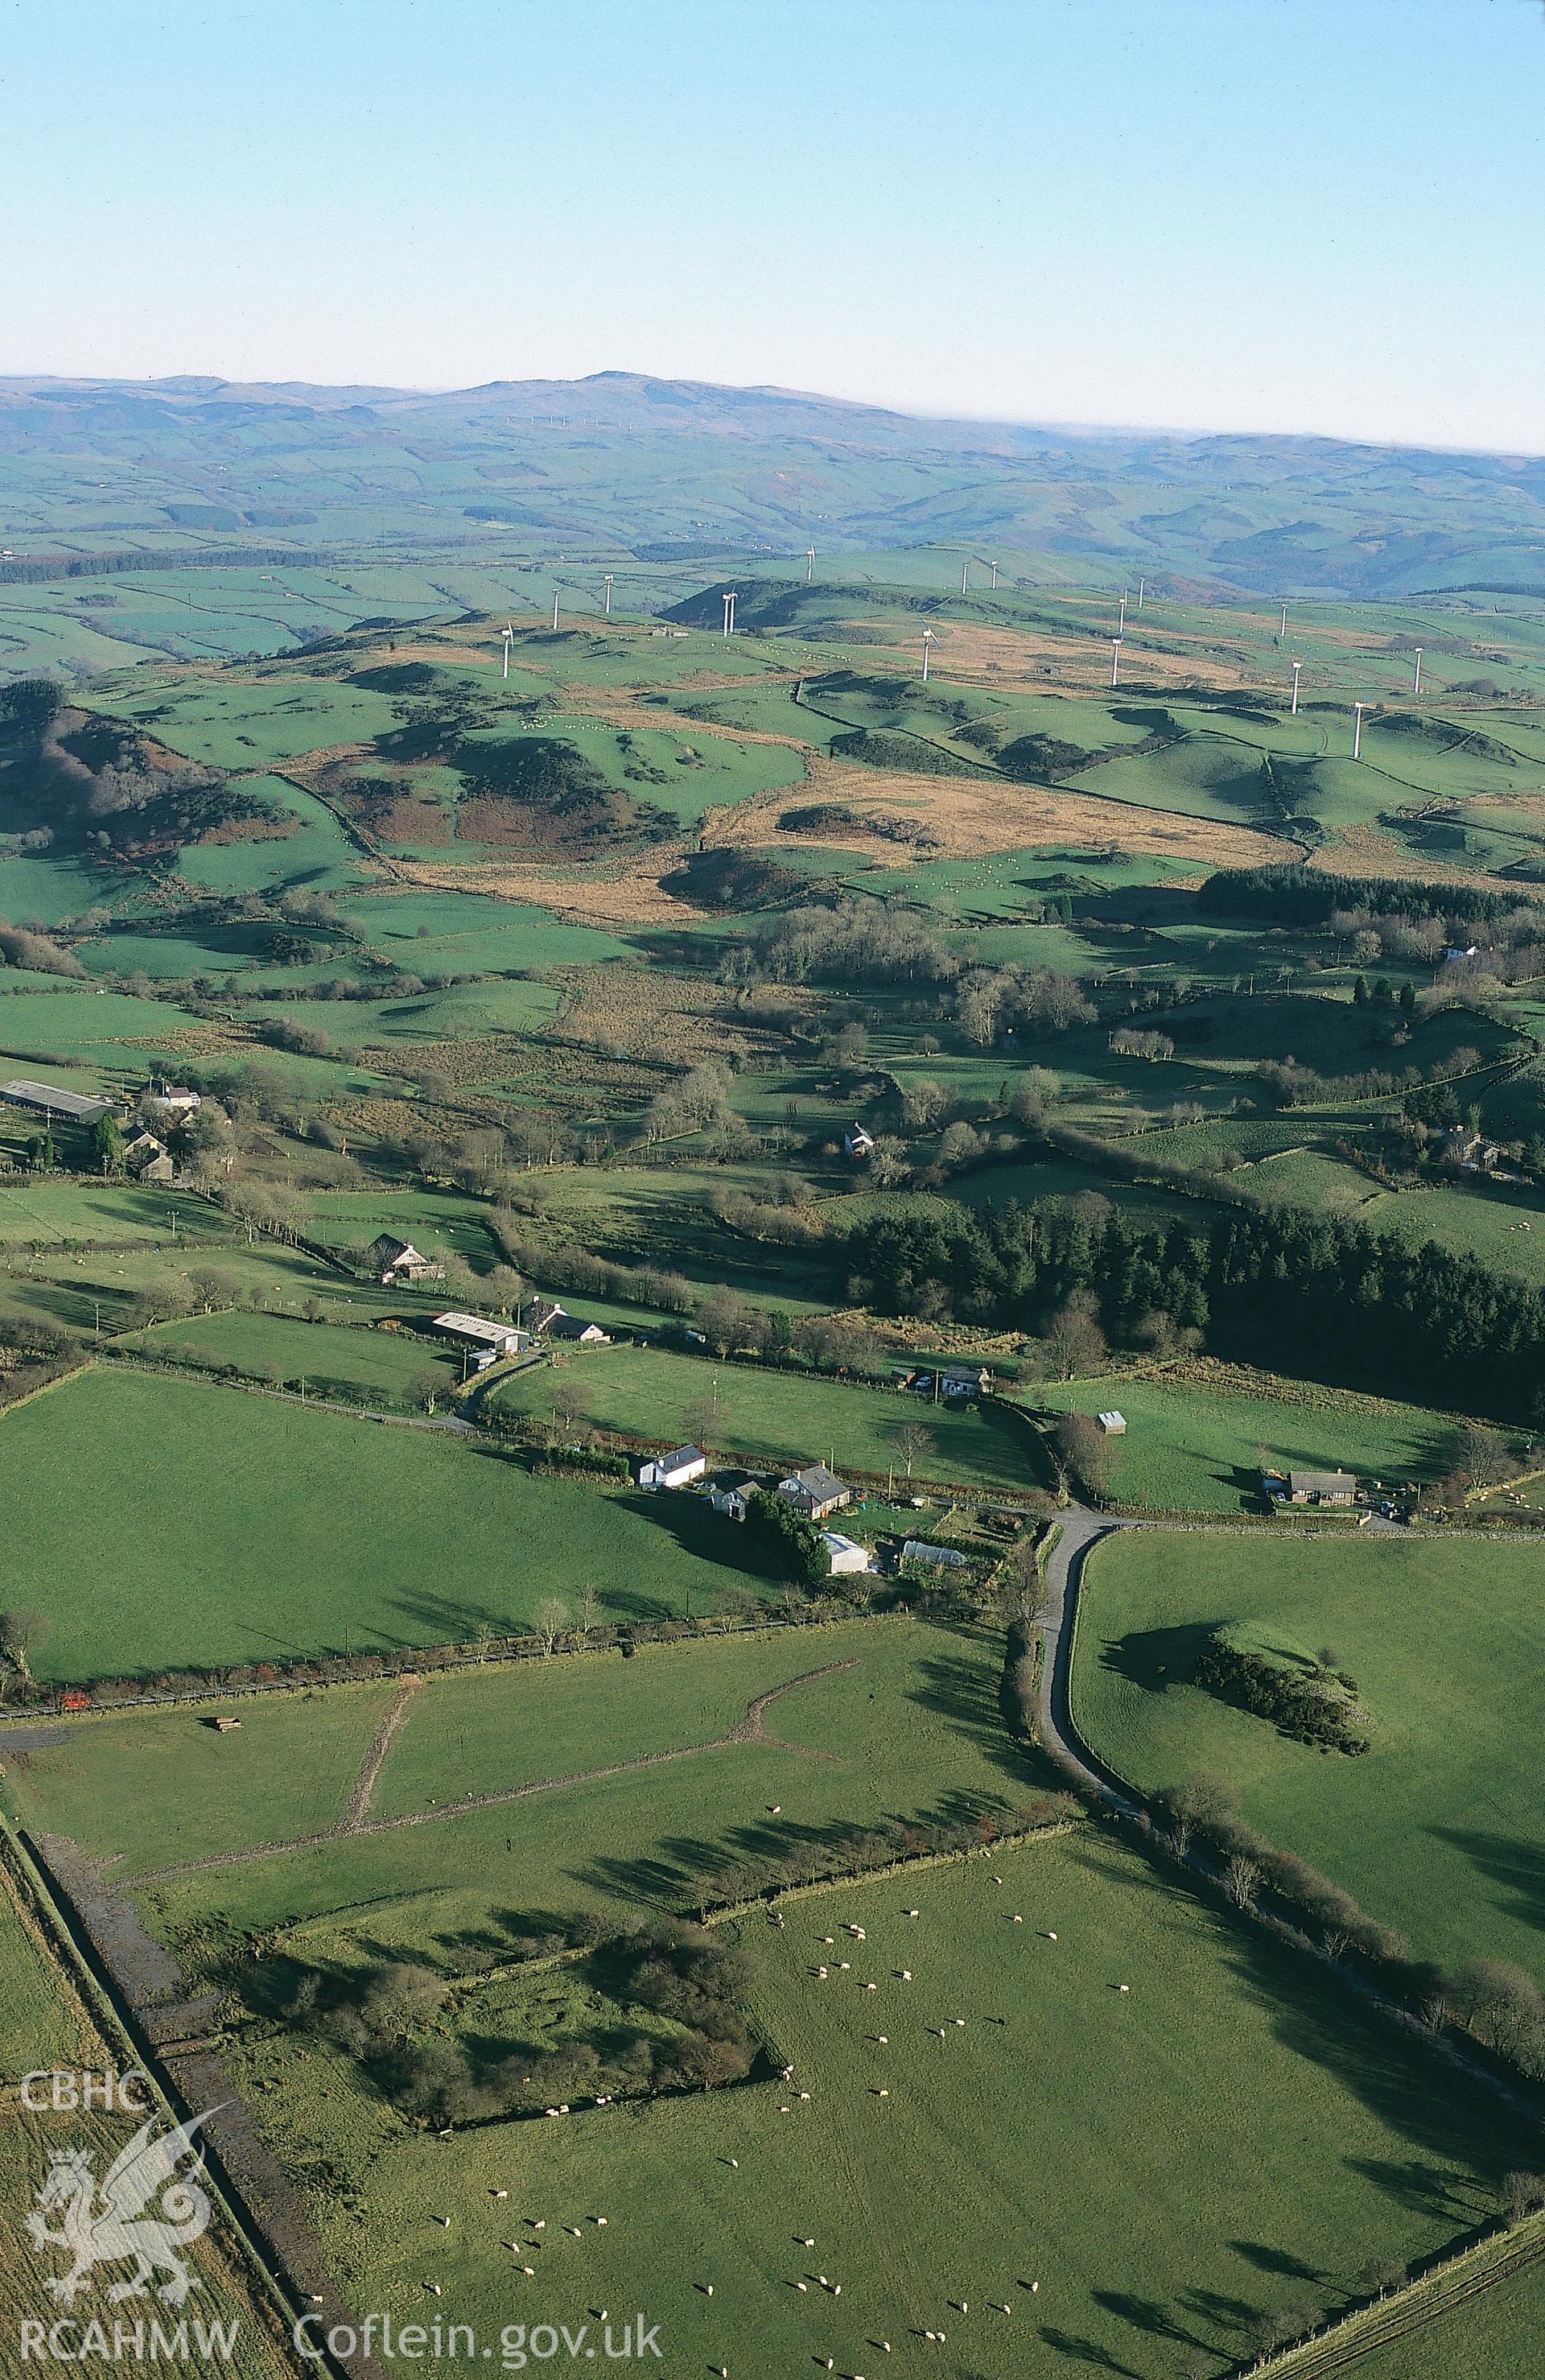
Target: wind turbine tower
x,y
928,640
729,615
809,565
1114,659
609,587
1296,667
1142,584
993,567
1358,709
509,635
964,568
555,611
1285,619
1121,615
1416,682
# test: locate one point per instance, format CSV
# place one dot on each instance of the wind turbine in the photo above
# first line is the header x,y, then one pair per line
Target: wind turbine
x,y
555,611
1358,709
928,640
509,636
964,568
809,565
1296,667
609,584
993,567
1121,616
1114,658
729,615
1416,682
1285,619
1142,584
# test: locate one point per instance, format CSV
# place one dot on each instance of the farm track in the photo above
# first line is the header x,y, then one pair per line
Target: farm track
x,y
748,1729
360,1799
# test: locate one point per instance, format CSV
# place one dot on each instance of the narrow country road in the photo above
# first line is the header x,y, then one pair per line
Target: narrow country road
x,y
1081,1530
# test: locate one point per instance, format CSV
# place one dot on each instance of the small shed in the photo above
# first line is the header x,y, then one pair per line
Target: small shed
x,y
1113,1423
856,1142
846,1556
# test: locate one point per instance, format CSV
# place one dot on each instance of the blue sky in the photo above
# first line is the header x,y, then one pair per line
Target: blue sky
x,y
1273,215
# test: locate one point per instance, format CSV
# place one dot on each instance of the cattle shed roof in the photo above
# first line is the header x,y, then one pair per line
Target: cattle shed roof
x,y
76,1104
474,1325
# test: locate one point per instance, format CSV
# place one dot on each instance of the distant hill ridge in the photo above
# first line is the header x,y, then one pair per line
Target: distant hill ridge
x,y
675,466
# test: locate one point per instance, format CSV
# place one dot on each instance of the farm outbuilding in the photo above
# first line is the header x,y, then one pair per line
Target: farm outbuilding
x,y
48,1098
845,1554
393,1260
677,1469
1113,1423
729,1491
492,1340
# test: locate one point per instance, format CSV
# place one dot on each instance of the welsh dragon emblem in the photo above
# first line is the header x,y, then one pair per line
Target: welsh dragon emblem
x,y
106,2223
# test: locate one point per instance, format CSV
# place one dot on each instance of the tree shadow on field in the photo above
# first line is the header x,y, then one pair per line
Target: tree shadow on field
x,y
1275,2260
1514,1864
686,1870
1086,2350
1460,2140
1151,2315
450,1619
1158,1659
966,1694
698,1529
507,1935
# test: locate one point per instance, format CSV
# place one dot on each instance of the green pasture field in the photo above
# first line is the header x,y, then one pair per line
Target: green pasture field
x,y
470,930
1504,1227
1131,2187
504,1004
41,2016
658,1215
970,2179
995,1186
780,1417
83,1288
43,1212
453,1220
167,958
1436,1830
48,891
331,1361
882,1716
109,1030
240,721
679,773
281,1533
318,855
1194,1446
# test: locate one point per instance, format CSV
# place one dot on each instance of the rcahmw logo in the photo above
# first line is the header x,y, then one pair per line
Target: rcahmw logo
x,y
142,2213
